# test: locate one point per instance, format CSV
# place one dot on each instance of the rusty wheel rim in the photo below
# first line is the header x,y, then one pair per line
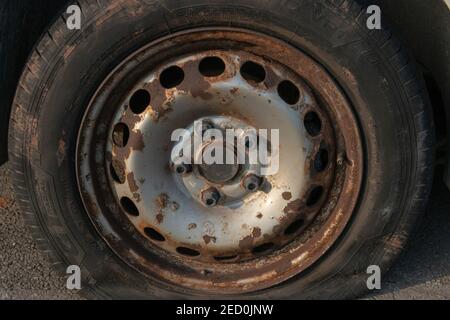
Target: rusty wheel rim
x,y
143,204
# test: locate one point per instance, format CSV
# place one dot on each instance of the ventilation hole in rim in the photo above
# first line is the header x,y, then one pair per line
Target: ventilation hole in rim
x,y
289,92
188,252
294,227
321,160
314,196
129,207
139,101
171,77
212,67
253,72
313,124
263,248
121,135
226,258
117,172
154,235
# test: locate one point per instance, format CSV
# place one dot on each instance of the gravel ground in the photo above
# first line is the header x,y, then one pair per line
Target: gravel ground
x,y
422,272
24,272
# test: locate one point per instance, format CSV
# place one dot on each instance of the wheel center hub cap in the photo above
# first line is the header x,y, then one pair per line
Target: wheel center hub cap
x,y
219,173
211,161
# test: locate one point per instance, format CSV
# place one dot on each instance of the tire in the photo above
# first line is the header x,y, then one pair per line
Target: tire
x,y
372,68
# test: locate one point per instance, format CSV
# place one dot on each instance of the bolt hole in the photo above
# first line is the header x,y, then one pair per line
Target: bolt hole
x,y
251,186
263,248
253,72
289,92
171,77
181,170
294,227
314,196
188,252
321,160
129,206
140,101
121,135
313,124
154,235
117,172
210,202
212,67
226,258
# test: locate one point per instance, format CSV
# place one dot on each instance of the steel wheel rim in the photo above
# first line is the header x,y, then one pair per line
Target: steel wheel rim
x,y
144,244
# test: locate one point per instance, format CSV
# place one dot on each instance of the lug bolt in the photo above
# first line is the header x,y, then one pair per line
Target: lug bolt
x,y
252,183
210,197
183,169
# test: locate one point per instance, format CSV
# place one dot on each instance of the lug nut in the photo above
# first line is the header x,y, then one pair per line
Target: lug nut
x,y
252,183
183,169
210,197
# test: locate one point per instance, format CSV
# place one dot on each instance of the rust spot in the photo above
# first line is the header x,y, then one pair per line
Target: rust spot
x,y
160,217
287,196
156,114
161,201
119,170
209,239
130,119
294,207
132,183
200,87
247,242
234,90
137,197
256,232
260,215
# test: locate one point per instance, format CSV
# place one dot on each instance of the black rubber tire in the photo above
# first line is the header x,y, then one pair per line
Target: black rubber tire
x,y
371,66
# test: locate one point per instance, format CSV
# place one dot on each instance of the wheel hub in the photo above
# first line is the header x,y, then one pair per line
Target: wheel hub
x,y
217,150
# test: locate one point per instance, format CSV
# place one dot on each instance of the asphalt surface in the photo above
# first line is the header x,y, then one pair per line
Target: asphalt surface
x,y
422,272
